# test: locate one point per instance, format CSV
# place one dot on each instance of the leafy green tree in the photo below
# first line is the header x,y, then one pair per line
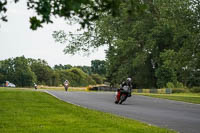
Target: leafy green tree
x,y
86,10
43,72
2,72
86,69
76,77
145,39
55,78
194,79
17,71
157,37
7,69
63,75
23,74
2,78
98,67
97,78
3,9
167,72
165,75
60,67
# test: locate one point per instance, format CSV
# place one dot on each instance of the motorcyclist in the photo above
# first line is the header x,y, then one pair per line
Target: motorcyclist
x,y
35,86
127,83
125,87
66,85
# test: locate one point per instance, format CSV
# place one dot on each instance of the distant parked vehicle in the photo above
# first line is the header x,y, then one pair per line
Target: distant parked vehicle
x,y
8,84
11,85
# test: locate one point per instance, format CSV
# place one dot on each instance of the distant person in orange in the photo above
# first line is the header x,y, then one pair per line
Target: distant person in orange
x,y
66,85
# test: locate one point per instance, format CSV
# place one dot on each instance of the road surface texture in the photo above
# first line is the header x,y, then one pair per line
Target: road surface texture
x,y
180,116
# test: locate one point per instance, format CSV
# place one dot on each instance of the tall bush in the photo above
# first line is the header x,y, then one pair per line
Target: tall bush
x,y
97,78
76,77
165,75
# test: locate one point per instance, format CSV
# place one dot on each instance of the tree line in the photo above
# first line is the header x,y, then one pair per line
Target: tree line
x,y
153,41
156,42
24,72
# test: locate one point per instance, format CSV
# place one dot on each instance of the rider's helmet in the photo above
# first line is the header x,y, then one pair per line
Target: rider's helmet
x,y
66,82
128,79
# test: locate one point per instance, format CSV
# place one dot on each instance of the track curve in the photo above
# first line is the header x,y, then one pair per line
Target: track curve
x,y
180,116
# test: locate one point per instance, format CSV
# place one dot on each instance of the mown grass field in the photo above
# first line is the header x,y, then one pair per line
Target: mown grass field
x,y
185,97
23,111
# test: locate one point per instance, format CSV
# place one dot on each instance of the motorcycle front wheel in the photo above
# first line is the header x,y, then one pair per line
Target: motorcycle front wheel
x,y
122,98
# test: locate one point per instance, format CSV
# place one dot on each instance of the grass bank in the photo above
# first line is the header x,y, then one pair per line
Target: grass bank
x,y
23,111
185,97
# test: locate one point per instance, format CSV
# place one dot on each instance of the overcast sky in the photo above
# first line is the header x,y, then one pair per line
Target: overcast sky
x,y
16,39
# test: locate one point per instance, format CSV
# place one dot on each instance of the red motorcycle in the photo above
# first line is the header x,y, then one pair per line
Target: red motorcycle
x,y
122,94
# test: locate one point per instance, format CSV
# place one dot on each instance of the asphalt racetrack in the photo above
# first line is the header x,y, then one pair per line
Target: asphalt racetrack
x,y
180,116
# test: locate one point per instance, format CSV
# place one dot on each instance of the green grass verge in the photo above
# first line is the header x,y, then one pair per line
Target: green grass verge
x,y
49,88
23,111
185,97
